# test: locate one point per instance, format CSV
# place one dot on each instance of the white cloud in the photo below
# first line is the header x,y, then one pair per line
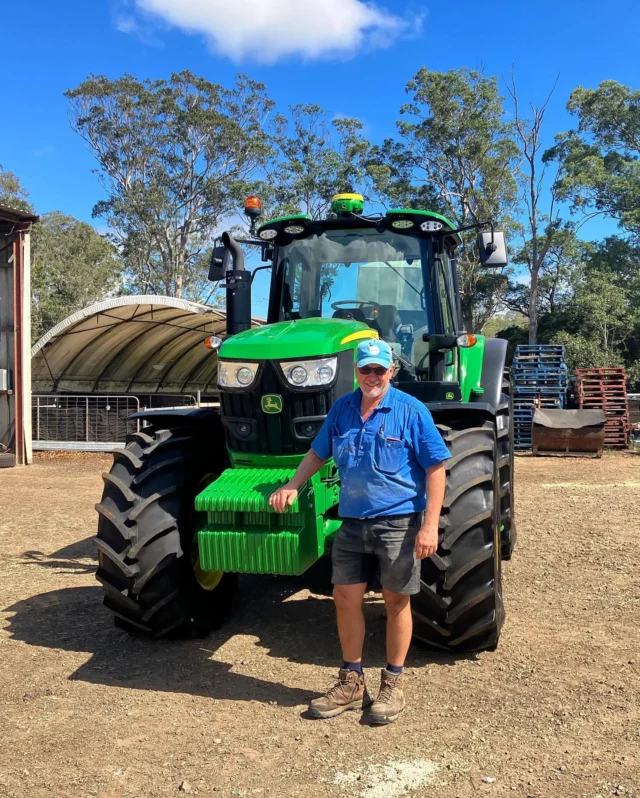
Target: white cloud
x,y
267,30
125,23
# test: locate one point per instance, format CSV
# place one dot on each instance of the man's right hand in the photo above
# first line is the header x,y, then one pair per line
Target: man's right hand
x,y
283,497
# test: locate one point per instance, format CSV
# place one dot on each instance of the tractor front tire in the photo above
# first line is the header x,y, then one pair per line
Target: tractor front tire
x,y
504,425
459,607
147,557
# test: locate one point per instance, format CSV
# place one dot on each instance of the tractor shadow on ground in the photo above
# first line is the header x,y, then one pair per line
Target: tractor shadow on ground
x,y
292,626
79,557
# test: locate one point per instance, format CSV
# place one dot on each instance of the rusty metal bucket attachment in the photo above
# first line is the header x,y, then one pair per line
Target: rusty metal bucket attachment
x,y
568,431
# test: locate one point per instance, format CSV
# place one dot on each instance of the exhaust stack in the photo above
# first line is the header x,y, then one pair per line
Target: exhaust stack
x,y
238,289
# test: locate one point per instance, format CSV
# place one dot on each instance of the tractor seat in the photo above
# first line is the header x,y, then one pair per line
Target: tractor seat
x,y
356,314
386,321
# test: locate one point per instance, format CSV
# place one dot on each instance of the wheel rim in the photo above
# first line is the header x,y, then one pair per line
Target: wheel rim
x,y
208,580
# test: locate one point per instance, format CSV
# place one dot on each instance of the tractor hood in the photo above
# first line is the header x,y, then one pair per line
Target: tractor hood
x,y
296,339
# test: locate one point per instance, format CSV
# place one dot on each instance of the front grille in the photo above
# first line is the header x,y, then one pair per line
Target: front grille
x,y
275,433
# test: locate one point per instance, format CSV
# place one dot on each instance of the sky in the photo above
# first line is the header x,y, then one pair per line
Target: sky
x,y
352,57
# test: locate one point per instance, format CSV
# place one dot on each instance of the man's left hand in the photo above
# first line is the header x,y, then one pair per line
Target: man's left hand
x,y
427,541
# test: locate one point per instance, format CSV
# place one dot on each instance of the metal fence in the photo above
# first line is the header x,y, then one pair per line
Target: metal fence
x,y
90,423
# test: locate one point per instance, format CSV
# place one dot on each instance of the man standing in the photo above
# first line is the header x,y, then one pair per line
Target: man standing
x,y
390,457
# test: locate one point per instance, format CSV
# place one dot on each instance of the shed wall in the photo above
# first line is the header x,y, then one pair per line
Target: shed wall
x,y
15,335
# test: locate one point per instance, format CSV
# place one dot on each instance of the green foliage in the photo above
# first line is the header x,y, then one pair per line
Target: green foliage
x,y
584,352
600,159
12,193
72,266
563,253
504,321
315,159
456,155
175,158
514,335
598,320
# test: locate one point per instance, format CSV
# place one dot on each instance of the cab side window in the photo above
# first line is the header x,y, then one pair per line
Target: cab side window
x,y
445,291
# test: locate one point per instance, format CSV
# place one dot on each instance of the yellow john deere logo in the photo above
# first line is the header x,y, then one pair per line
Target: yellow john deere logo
x,y
449,395
272,403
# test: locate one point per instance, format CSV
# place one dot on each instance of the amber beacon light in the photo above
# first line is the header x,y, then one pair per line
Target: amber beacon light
x,y
252,209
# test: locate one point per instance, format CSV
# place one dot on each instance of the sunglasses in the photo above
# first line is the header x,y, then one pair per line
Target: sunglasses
x,y
379,371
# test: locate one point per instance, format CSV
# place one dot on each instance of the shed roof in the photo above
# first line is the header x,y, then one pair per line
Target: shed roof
x,y
131,344
16,216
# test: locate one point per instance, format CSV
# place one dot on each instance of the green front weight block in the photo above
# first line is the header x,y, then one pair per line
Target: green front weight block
x,y
244,534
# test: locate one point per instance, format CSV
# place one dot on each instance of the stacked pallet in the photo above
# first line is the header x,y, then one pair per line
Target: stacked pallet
x,y
606,389
539,378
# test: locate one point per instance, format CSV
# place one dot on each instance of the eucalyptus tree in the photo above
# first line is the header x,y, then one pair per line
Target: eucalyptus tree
x,y
12,192
455,153
315,157
72,266
600,158
174,158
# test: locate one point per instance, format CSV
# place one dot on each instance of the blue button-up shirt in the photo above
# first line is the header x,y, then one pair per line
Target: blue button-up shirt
x,y
382,460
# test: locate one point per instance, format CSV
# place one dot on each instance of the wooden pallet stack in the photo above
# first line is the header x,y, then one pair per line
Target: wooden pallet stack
x,y
606,389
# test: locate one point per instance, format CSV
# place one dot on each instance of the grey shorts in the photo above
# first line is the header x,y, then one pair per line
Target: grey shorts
x,y
388,543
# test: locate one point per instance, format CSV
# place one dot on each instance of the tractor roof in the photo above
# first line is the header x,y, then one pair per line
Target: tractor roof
x,y
408,221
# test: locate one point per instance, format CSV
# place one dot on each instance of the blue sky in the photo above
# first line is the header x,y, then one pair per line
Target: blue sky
x,y
373,52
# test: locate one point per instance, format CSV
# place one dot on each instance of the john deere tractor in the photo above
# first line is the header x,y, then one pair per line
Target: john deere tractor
x,y
185,506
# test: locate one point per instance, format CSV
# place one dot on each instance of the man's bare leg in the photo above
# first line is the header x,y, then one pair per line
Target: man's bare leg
x,y
399,626
348,601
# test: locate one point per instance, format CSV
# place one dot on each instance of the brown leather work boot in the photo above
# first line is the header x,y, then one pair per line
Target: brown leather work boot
x,y
390,701
349,692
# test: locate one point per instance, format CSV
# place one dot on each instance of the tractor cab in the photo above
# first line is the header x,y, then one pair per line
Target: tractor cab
x,y
335,282
389,273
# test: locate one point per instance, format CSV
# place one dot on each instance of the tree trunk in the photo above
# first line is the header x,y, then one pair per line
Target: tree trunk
x,y
533,308
179,279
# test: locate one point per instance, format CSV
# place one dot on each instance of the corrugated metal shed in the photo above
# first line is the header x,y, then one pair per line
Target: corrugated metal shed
x,y
131,344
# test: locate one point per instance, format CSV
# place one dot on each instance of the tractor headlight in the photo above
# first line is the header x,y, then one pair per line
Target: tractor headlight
x,y
310,373
298,375
236,375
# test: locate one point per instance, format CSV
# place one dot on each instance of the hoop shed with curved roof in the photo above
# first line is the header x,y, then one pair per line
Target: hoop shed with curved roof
x,y
131,344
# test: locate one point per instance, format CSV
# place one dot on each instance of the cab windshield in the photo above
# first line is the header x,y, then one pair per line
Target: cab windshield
x,y
362,274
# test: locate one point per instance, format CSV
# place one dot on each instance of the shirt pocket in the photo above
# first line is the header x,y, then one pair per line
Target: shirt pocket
x,y
340,445
390,455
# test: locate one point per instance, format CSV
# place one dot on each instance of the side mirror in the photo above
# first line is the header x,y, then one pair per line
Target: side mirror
x,y
440,342
219,263
493,250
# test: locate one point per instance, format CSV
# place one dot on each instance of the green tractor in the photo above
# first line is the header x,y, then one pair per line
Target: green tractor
x,y
185,506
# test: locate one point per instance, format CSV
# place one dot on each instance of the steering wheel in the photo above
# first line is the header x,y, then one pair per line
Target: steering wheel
x,y
358,303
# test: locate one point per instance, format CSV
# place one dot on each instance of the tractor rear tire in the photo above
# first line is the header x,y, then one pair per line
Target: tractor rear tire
x,y
504,424
147,559
459,607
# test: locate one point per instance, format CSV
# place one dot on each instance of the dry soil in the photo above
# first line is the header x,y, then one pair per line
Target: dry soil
x,y
87,711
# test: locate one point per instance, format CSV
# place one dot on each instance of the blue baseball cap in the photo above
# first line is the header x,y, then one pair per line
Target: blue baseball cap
x,y
375,352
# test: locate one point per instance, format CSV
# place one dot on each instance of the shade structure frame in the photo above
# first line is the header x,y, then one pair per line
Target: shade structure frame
x,y
131,344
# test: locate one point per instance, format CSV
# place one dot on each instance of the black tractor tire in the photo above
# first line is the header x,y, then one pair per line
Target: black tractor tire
x,y
459,606
146,528
504,426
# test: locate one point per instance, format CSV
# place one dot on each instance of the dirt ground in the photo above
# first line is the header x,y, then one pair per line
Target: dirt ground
x,y
87,711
